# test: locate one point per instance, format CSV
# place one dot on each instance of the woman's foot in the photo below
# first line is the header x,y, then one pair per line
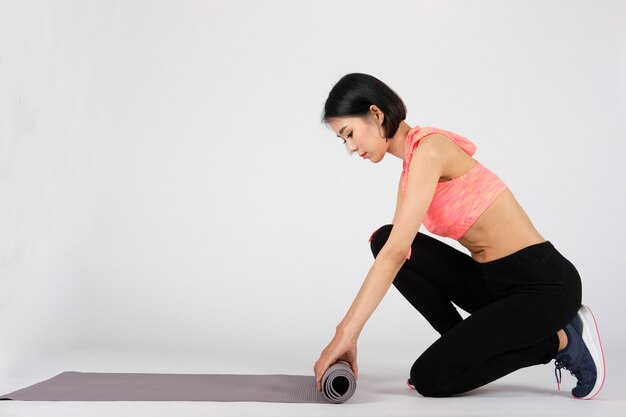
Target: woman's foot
x,y
583,355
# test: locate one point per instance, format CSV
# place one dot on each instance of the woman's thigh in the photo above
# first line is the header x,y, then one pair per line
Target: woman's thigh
x,y
449,270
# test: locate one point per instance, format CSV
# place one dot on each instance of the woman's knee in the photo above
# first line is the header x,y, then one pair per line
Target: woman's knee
x,y
379,238
432,379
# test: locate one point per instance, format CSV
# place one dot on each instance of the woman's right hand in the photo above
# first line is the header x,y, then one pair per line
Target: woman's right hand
x,y
341,348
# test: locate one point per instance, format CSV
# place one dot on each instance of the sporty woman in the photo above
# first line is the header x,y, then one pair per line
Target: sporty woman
x,y
522,294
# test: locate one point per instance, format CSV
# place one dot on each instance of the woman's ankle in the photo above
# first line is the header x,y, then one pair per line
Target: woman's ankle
x,y
562,339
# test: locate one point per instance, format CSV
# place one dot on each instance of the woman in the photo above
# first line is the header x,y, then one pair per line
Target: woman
x,y
523,296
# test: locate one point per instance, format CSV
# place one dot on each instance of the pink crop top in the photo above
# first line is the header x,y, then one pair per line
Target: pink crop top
x,y
459,202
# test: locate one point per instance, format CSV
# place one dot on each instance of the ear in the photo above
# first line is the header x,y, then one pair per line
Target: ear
x,y
378,114
379,118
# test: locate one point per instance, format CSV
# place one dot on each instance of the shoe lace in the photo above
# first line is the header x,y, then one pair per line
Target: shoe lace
x,y
557,372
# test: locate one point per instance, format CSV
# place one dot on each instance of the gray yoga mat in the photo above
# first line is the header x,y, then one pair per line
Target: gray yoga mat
x,y
338,385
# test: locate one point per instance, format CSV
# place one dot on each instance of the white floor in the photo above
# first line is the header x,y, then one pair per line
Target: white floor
x,y
380,391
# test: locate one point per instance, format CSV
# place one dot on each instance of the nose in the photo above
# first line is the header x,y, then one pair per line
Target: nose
x,y
349,146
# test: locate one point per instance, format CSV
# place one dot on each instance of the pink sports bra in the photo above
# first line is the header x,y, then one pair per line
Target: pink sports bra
x,y
459,202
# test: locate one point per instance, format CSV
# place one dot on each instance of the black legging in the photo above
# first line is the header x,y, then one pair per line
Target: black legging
x,y
517,303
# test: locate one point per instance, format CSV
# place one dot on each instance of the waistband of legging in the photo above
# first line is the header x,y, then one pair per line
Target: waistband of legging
x,y
532,251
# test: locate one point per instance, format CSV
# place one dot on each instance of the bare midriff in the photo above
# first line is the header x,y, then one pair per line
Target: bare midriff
x,y
502,229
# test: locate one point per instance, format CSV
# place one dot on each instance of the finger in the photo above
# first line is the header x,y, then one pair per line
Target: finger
x,y
355,370
318,378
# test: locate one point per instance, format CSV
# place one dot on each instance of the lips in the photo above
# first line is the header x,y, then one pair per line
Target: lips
x,y
363,156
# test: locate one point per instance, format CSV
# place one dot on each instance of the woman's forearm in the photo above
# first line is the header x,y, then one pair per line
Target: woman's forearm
x,y
374,287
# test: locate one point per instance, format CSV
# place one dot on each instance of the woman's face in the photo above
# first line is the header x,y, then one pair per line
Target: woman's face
x,y
363,136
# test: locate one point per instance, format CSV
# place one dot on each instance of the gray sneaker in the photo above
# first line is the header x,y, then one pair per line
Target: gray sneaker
x,y
583,355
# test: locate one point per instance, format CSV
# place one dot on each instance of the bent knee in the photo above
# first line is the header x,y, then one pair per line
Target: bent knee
x,y
432,382
379,238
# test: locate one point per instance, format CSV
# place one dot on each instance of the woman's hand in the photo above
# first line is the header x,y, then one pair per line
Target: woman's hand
x,y
341,348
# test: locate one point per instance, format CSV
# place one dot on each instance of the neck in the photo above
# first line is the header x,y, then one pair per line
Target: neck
x,y
397,144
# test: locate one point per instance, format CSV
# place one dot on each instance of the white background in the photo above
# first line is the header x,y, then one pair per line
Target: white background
x,y
167,189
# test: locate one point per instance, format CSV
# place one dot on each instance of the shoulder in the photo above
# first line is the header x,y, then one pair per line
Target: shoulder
x,y
432,159
428,159
436,147
437,142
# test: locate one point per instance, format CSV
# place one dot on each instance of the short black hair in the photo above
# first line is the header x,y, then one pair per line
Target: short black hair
x,y
353,95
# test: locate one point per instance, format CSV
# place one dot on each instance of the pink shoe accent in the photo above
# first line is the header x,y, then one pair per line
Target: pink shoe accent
x,y
601,352
370,239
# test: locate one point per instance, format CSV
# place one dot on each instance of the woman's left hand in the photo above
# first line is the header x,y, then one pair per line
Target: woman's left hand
x,y
341,348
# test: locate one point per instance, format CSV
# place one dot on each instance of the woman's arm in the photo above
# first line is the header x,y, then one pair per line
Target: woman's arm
x,y
398,200
424,173
374,287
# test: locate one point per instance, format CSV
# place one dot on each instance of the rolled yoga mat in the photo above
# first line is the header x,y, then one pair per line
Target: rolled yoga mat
x,y
338,385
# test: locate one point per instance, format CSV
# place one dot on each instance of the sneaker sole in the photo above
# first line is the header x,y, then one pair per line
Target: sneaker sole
x,y
591,337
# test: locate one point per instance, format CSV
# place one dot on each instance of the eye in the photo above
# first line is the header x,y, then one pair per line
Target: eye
x,y
349,135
